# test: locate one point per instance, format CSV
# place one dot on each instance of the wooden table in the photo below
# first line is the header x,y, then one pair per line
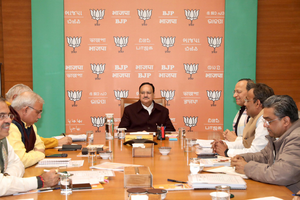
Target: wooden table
x,y
172,166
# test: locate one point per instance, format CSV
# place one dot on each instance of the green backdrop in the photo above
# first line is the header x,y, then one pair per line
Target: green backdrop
x,y
48,57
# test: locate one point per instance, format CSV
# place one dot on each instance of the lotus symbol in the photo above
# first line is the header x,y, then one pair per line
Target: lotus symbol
x,y
119,94
191,15
121,42
168,95
167,42
74,42
98,69
98,122
97,15
191,69
213,96
190,122
74,96
214,42
144,15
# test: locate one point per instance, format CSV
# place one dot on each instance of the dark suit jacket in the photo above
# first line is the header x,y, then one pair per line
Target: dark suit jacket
x,y
136,118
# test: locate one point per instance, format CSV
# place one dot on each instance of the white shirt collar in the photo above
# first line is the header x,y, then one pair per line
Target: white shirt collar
x,y
150,108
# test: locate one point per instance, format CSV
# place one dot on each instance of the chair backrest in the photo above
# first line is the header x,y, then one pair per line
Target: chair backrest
x,y
127,101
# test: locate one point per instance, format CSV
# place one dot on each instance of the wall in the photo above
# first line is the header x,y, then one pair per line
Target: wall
x,y
240,53
48,63
278,46
16,33
1,48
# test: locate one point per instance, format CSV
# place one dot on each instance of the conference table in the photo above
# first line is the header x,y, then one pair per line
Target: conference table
x,y
172,166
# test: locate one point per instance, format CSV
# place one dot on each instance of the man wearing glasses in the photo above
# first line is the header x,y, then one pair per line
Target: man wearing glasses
x,y
11,168
279,162
49,143
254,132
23,136
145,114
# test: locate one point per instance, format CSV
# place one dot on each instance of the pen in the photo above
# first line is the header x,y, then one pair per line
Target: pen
x,y
172,180
64,134
297,195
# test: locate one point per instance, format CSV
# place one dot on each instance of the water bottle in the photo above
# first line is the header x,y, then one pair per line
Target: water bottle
x,y
109,126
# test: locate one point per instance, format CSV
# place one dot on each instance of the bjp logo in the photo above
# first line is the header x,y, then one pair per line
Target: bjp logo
x,y
74,96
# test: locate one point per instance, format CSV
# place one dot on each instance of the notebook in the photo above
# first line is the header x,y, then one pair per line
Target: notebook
x,y
210,181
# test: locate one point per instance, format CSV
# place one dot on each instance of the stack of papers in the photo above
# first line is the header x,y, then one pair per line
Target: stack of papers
x,y
214,162
136,145
141,133
54,162
226,170
75,138
204,143
113,166
92,177
210,181
205,147
59,162
267,198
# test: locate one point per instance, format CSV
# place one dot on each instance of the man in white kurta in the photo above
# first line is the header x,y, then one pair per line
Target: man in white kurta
x,y
11,167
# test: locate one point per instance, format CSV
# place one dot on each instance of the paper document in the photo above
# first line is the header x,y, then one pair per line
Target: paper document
x,y
214,162
204,143
138,145
204,150
88,176
267,198
54,162
59,162
140,133
75,138
210,181
227,170
112,166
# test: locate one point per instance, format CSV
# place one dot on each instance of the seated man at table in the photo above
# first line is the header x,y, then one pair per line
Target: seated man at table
x,y
16,90
279,162
23,137
145,115
11,167
254,132
241,118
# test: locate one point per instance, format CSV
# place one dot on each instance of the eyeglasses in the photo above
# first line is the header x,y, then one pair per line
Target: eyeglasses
x,y
5,116
269,122
37,111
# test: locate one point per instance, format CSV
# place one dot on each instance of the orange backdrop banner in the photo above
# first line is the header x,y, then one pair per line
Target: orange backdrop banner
x,y
111,47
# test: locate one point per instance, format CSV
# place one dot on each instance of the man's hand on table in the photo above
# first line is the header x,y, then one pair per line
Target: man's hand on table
x,y
239,163
65,140
50,178
219,147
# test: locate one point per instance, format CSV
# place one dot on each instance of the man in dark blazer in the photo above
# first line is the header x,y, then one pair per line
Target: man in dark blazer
x,y
145,115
